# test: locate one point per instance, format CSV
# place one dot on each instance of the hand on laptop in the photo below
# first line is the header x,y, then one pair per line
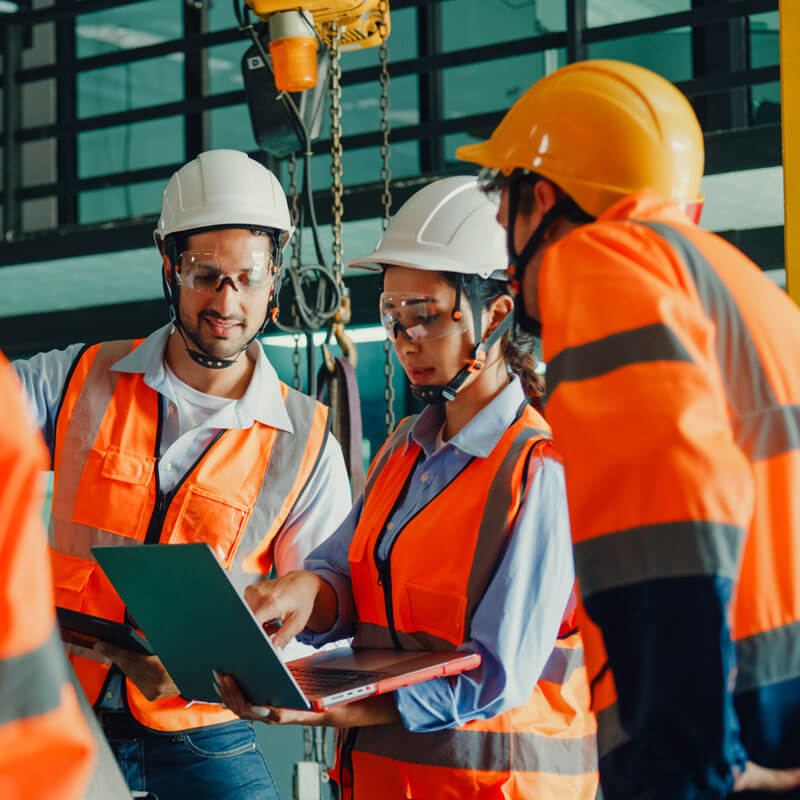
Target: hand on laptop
x,y
299,599
380,710
147,672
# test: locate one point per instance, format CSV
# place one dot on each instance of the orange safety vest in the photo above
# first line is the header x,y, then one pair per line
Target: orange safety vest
x,y
235,498
691,326
545,748
46,749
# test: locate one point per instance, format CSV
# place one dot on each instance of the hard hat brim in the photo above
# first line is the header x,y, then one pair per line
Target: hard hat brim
x,y
377,261
480,153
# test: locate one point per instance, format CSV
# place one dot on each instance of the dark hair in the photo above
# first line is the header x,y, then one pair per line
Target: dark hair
x,y
516,346
527,179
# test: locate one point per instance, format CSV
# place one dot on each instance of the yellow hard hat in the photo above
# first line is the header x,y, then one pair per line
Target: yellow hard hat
x,y
600,130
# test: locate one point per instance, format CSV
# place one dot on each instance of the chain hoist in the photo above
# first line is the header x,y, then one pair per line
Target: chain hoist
x,y
386,201
342,317
336,157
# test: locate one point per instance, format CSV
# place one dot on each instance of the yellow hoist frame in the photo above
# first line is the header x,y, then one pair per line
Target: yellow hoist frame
x,y
358,23
790,113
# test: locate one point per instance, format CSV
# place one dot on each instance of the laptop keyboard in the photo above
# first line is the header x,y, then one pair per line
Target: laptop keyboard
x,y
316,681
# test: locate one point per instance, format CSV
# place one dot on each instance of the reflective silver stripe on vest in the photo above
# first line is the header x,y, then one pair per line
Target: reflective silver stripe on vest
x,y
84,425
489,751
77,540
286,459
650,552
749,391
646,344
768,432
30,684
768,658
563,661
494,528
397,440
610,733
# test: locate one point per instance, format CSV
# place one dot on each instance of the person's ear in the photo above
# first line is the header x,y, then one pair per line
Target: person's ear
x,y
546,195
500,308
166,265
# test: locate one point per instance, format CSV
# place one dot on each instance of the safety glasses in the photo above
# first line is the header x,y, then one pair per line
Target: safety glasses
x,y
418,317
493,181
246,272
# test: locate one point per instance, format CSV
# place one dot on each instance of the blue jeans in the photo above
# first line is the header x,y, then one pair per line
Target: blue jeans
x,y
222,762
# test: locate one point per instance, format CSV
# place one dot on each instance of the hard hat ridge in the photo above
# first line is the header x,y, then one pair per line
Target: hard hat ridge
x,y
447,226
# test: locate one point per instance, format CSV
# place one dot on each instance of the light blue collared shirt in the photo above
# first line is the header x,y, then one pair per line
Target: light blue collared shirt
x,y
515,625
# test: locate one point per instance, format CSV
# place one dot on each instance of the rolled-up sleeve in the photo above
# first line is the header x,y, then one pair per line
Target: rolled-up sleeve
x,y
43,377
515,625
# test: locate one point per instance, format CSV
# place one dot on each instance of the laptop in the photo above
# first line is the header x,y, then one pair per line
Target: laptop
x,y
195,621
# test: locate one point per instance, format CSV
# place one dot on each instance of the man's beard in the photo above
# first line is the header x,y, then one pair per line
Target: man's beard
x,y
209,344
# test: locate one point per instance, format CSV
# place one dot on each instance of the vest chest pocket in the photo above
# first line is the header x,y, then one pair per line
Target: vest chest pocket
x,y
70,578
435,612
206,517
114,491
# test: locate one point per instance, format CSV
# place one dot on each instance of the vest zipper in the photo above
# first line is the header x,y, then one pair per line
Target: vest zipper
x,y
160,509
385,581
163,499
384,565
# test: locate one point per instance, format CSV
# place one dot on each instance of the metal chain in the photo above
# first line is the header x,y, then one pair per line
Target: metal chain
x,y
336,157
386,201
294,208
388,389
386,172
296,381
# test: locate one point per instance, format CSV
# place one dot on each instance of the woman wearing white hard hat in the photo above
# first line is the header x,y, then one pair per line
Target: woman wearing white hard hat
x,y
460,541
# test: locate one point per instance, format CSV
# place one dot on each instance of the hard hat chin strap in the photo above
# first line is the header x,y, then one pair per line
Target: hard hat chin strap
x,y
518,262
437,395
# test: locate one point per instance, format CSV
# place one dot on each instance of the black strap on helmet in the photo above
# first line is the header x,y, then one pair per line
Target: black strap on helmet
x,y
518,262
438,394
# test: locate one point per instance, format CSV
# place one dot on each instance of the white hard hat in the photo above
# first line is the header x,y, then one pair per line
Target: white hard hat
x,y
449,226
223,187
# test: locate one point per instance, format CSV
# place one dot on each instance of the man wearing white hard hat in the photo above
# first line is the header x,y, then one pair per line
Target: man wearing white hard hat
x,y
187,435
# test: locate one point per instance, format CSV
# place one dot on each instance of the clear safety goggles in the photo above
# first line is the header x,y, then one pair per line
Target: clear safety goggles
x,y
493,181
249,273
418,317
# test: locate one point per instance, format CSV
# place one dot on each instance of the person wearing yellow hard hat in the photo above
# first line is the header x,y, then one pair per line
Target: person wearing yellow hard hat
x,y
674,392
